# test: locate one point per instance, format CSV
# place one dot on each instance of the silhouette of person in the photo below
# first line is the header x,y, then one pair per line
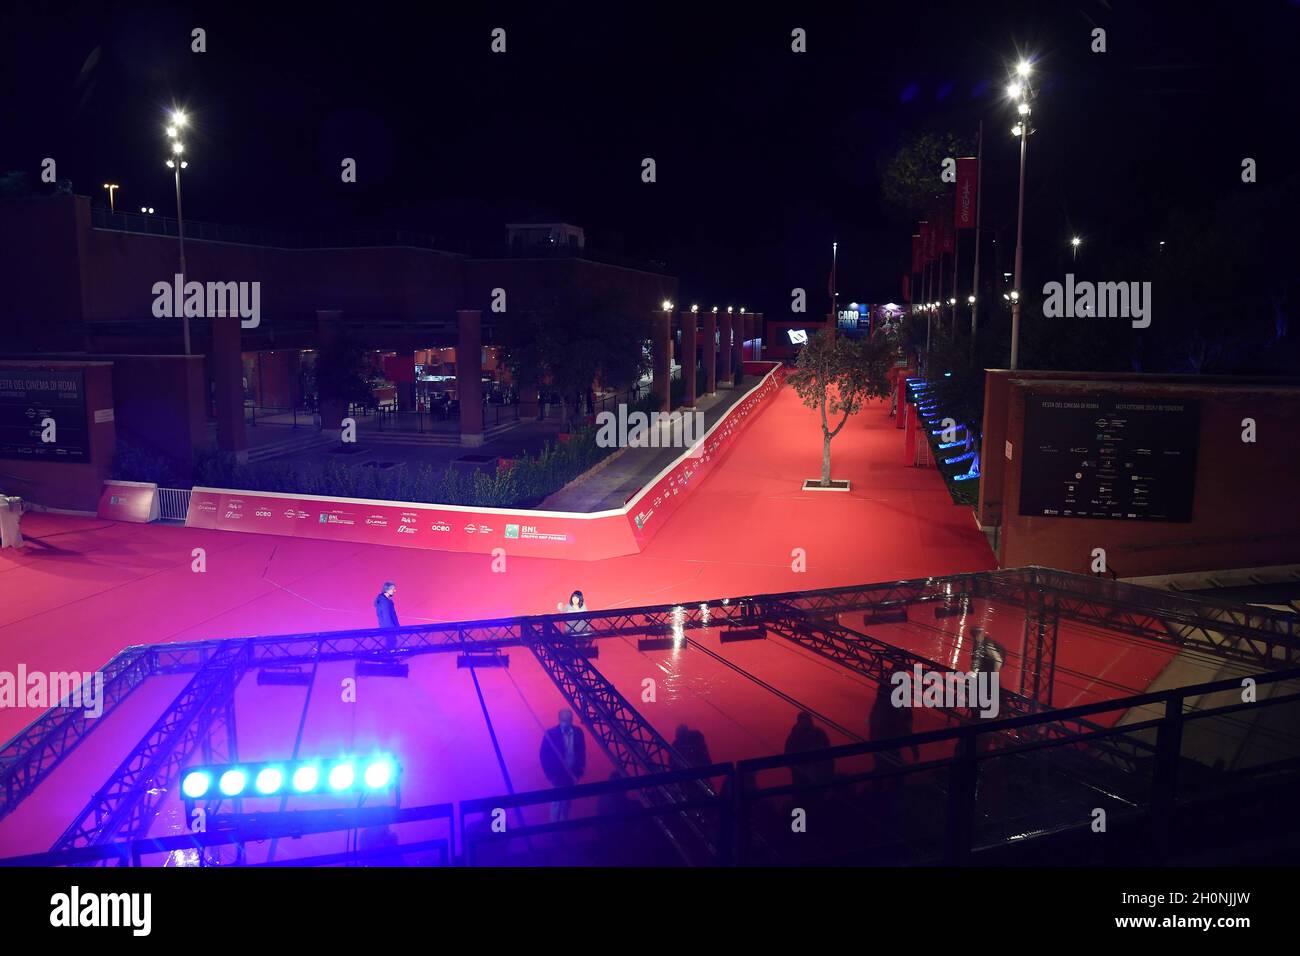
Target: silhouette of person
x,y
692,746
805,736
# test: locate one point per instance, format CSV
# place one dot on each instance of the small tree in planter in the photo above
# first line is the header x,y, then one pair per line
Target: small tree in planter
x,y
342,374
836,375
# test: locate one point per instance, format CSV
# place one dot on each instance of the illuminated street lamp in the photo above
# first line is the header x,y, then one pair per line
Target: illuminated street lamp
x,y
177,164
1074,247
1022,91
111,187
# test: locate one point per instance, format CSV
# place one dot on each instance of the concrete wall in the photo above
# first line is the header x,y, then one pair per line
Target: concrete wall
x,y
70,485
1244,511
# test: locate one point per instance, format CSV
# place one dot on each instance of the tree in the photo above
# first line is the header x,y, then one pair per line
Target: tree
x,y
572,345
911,177
836,375
342,374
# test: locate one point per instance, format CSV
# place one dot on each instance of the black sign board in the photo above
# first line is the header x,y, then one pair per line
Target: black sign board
x,y
28,399
1109,456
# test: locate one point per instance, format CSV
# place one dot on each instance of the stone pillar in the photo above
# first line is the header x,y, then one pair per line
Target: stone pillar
x,y
228,374
738,348
530,408
760,330
688,358
329,327
661,349
406,386
469,375
710,353
724,347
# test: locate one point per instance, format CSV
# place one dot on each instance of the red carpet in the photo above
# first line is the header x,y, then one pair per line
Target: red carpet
x,y
84,589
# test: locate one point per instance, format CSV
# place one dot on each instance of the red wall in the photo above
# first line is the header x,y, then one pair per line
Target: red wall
x,y
1244,511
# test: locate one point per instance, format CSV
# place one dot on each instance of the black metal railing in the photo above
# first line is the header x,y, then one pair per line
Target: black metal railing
x,y
970,790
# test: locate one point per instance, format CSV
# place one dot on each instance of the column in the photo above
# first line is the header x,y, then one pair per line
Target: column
x,y
711,353
469,375
228,374
738,348
724,346
406,380
661,349
688,358
329,326
529,405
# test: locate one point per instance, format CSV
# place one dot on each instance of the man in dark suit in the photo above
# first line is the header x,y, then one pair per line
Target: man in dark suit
x,y
564,759
385,609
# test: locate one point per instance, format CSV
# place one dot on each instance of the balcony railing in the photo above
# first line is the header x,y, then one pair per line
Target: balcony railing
x,y
144,224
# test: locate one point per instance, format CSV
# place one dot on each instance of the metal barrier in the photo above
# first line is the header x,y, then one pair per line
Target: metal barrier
x,y
173,503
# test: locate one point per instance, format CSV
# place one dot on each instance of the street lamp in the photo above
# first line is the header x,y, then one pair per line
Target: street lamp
x,y
1020,90
111,187
667,306
1074,247
177,164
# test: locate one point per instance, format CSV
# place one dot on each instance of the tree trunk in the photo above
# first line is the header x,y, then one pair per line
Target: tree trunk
x,y
826,458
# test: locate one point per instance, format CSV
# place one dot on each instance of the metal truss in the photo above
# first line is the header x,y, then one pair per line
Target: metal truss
x,y
878,660
1253,635
35,751
1234,632
124,807
627,738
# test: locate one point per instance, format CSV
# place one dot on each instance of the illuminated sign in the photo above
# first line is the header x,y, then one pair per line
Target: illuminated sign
x,y
798,336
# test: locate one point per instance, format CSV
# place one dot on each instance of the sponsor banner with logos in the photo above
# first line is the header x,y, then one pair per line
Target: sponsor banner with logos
x,y
552,534
413,525
129,501
651,507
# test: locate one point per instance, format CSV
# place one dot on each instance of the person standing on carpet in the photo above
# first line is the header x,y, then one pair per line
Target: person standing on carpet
x,y
564,760
385,609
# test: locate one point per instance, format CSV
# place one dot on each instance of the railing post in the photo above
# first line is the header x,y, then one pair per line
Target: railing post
x,y
962,778
1164,784
739,816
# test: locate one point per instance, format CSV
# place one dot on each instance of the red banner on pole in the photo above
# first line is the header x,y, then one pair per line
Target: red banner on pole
x,y
907,288
929,242
918,260
967,174
947,238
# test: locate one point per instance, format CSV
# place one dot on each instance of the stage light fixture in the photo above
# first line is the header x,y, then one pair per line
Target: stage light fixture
x,y
378,773
232,782
269,780
306,778
311,775
196,783
342,776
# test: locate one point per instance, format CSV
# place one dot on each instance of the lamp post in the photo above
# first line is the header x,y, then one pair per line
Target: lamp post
x,y
1020,90
177,164
1074,247
111,187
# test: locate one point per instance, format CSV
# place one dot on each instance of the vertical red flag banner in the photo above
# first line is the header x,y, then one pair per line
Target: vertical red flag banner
x,y
929,245
946,235
967,175
907,286
918,259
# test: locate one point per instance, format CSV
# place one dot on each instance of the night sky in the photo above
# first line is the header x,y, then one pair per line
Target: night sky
x,y
764,156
